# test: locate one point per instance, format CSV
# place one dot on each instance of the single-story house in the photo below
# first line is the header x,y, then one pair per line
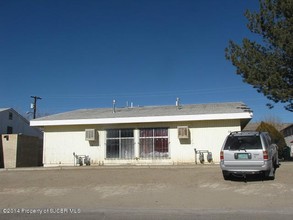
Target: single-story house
x,y
287,131
140,135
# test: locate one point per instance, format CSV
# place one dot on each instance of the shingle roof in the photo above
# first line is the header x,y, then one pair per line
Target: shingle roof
x,y
149,111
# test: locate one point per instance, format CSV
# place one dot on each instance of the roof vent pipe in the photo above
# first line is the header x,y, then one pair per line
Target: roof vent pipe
x,y
114,106
178,103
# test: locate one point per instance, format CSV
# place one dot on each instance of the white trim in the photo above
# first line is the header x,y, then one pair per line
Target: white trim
x,y
177,118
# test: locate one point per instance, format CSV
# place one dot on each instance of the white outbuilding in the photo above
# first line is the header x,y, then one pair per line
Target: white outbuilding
x,y
178,134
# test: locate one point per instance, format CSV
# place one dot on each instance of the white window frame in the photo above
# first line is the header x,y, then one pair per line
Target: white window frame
x,y
123,154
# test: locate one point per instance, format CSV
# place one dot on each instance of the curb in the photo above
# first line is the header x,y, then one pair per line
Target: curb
x,y
110,167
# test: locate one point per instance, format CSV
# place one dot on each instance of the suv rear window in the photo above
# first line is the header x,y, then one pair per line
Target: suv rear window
x,y
243,143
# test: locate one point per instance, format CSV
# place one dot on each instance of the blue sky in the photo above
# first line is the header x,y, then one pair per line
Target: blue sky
x,y
85,53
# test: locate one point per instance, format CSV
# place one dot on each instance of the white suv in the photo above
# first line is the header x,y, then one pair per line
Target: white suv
x,y
249,153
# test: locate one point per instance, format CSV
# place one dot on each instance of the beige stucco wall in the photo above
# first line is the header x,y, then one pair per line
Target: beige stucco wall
x,y
60,142
205,135
21,151
9,143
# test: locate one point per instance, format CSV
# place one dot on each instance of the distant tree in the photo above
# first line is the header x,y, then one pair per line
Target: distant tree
x,y
276,136
268,65
273,120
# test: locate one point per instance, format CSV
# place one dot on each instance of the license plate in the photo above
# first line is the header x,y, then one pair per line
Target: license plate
x,y
242,156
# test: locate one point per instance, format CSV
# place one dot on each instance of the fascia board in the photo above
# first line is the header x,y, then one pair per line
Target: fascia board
x,y
203,117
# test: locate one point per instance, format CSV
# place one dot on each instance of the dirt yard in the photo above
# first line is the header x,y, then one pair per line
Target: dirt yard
x,y
198,187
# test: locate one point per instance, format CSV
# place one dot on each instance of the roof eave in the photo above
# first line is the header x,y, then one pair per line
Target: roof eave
x,y
151,119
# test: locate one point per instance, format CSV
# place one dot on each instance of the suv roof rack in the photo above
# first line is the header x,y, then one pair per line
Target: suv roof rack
x,y
245,132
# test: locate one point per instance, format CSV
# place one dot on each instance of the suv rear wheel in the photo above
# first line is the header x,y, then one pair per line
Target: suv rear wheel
x,y
226,175
270,174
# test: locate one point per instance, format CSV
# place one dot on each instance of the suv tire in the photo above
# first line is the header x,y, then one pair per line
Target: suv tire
x,y
226,175
270,175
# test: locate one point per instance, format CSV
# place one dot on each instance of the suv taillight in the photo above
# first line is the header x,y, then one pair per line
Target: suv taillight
x,y
222,155
265,155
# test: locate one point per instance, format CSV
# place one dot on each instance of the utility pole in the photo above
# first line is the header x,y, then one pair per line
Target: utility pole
x,y
34,105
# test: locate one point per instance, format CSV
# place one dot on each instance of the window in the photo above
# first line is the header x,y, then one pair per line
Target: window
x,y
243,143
10,116
9,130
120,144
153,143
